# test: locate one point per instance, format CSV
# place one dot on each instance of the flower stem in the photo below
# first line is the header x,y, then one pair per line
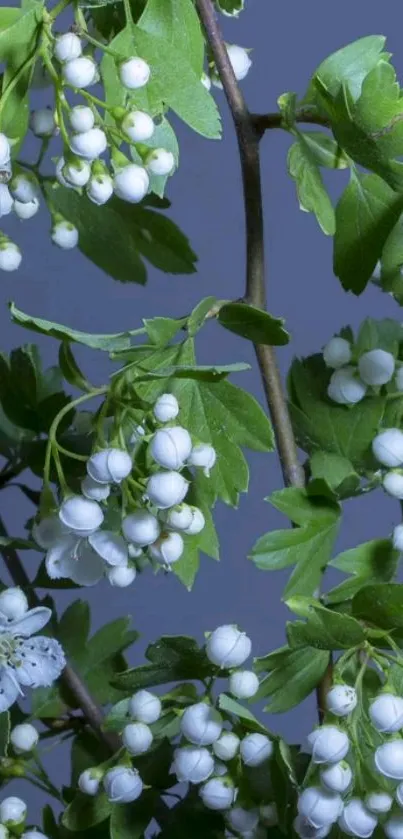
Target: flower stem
x,y
52,446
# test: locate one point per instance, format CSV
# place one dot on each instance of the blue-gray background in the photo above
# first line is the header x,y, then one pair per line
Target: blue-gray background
x,y
289,40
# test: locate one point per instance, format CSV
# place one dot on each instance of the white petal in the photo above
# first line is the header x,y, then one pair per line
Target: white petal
x,y
60,556
31,622
110,546
88,568
9,689
41,662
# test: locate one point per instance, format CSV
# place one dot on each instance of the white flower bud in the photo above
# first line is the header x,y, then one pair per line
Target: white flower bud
x,y
394,827
77,172
376,367
89,144
243,820
166,408
110,546
166,489
170,447
389,759
80,72
399,378
67,46
180,517
121,576
206,81
131,183
379,802
255,749
388,447
192,765
201,724
33,834
341,700
227,647
227,745
305,830
268,814
137,435
138,126
59,173
204,456
100,189
337,777
10,257
5,151
167,549
345,387
386,713
145,707
89,781
65,235
81,118
109,466
393,483
13,811
198,522
217,794
48,531
42,122
27,210
6,200
134,73
220,769
337,353
137,738
134,552
239,58
94,490
122,785
80,515
24,738
13,603
243,684
24,188
330,745
4,833
357,820
141,527
319,806
160,162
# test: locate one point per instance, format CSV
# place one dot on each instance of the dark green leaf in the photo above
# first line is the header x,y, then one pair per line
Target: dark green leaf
x,y
325,630
374,561
383,334
129,821
252,323
4,733
235,709
295,678
380,605
70,368
160,331
324,151
173,658
232,8
336,470
85,812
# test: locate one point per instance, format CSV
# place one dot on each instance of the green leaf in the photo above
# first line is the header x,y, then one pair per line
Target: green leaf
x,y
383,334
4,730
108,343
87,750
235,709
312,195
199,372
160,331
129,821
381,605
117,235
365,215
85,812
325,630
254,324
198,315
351,64
8,16
294,679
173,658
231,8
324,151
177,22
18,44
320,424
204,542
375,561
284,781
163,137
336,470
70,368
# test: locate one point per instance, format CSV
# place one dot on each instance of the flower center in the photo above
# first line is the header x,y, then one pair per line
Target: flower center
x,y
8,647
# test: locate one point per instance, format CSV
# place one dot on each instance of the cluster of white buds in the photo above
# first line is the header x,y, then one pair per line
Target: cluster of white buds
x,y
18,194
387,448
350,381
123,784
13,815
77,543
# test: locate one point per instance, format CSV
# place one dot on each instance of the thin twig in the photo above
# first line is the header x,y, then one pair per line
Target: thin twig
x,y
265,122
249,132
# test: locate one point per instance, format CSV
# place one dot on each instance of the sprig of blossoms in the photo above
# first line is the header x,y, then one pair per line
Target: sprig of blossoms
x,y
154,515
353,374
13,816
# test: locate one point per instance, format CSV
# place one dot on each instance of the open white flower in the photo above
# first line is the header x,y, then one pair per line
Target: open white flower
x,y
73,558
25,661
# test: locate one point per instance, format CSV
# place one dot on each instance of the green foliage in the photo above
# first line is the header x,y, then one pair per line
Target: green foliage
x,y
108,343
19,36
85,811
292,676
349,65
324,629
308,546
232,8
312,195
380,605
30,397
173,658
254,324
129,821
177,22
371,562
336,471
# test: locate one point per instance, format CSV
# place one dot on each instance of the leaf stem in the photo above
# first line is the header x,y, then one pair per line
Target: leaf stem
x,y
53,445
265,122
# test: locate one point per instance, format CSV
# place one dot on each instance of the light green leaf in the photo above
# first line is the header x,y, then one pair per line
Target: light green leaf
x,y
312,195
160,331
235,709
372,562
336,470
117,235
85,811
177,22
18,44
383,334
297,675
254,324
200,372
173,658
325,630
325,151
380,605
8,16
108,343
351,64
198,315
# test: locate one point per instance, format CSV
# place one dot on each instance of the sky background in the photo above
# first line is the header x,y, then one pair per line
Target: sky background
x,y
289,40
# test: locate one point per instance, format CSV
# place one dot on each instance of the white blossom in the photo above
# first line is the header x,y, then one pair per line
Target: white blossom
x,y
379,802
26,661
243,684
26,210
134,73
13,603
192,765
59,173
268,814
48,530
24,188
376,367
227,745
197,524
6,200
331,745
388,447
319,806
337,777
255,749
77,172
167,549
240,61
110,546
13,811
65,235
179,517
204,456
241,819
122,785
217,794
81,118
166,489
121,576
389,759
357,820
201,724
170,447
100,188
141,528
94,490
386,713
145,707
42,122
160,162
337,353
394,827
138,126
79,72
137,738
24,738
67,47
73,558
5,151
228,647
305,830
131,183
393,483
166,408
10,256
89,781
80,515
109,466
341,700
345,387
89,144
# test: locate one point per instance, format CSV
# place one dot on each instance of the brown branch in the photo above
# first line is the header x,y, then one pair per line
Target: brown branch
x,y
265,122
249,132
